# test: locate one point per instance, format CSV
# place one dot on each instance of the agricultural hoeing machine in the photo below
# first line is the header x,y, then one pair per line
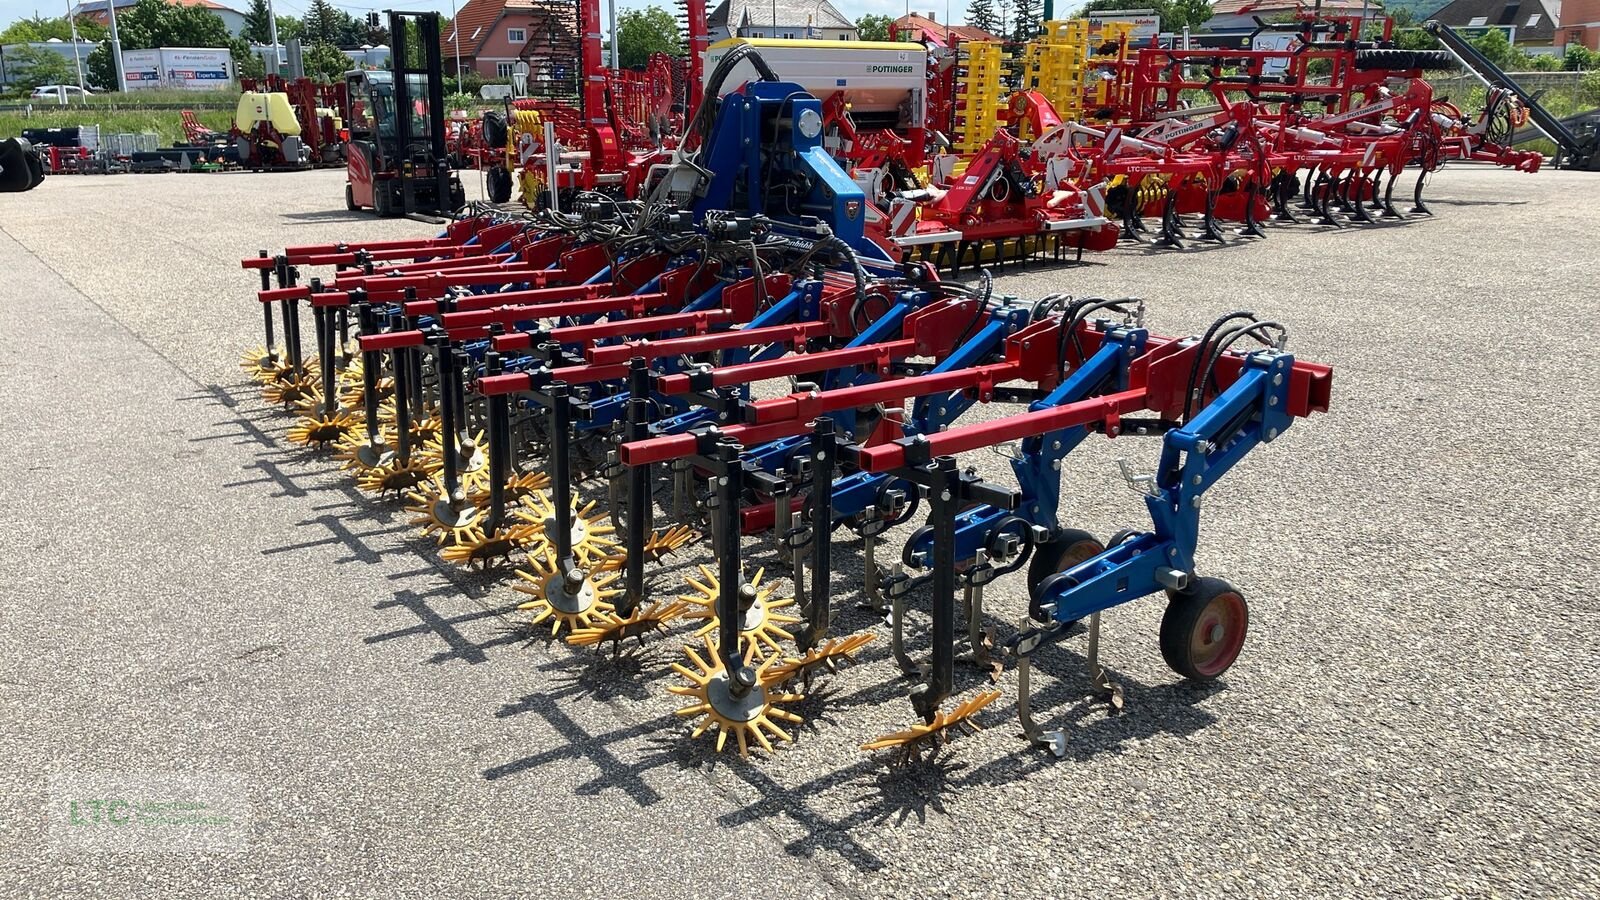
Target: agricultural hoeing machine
x,y
728,380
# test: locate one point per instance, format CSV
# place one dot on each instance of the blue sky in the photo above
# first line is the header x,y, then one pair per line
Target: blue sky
x,y
11,10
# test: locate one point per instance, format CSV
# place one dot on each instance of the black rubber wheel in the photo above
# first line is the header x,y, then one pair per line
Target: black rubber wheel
x,y
458,196
1204,628
1069,547
494,129
380,200
349,198
1402,60
499,185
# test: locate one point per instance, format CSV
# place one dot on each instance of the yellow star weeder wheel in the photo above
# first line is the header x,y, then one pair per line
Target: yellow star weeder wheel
x,y
481,548
324,429
658,546
592,543
610,627
915,742
293,392
353,387
440,518
575,599
752,718
763,618
262,365
519,489
830,657
472,462
393,477
361,454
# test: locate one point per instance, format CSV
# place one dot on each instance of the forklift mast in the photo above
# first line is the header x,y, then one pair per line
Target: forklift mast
x,y
427,28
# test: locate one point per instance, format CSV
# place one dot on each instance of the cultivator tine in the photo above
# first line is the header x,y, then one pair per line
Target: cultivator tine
x,y
1252,221
1358,202
1171,227
1283,190
819,509
1390,211
1208,229
1417,206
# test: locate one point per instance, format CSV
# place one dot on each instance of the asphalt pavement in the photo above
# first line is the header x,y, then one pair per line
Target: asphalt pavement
x,y
1414,713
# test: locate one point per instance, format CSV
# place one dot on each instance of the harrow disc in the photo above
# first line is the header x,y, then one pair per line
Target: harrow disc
x,y
913,743
763,619
573,599
752,718
659,545
361,455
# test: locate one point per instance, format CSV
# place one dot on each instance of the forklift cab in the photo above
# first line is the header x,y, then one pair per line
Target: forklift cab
x,y
395,161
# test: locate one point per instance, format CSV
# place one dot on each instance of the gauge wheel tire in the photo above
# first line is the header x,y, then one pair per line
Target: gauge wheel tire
x,y
1204,629
1068,548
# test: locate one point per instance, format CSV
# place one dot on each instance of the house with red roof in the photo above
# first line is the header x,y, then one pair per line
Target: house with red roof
x,y
492,36
926,29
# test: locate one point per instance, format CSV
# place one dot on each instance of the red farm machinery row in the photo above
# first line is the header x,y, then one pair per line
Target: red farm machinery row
x,y
668,418
1086,153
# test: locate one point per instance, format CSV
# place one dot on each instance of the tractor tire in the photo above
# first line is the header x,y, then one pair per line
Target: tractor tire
x,y
1402,60
494,129
1204,628
499,184
349,198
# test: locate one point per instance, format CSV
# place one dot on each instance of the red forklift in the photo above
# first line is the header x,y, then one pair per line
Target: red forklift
x,y
396,162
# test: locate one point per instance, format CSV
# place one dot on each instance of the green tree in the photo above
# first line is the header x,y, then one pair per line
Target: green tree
x,y
39,29
325,60
289,28
257,23
1415,39
641,32
1026,20
981,14
1578,59
873,27
1494,45
33,66
322,23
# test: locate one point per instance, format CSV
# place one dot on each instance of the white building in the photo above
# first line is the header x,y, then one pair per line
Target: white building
x,y
791,19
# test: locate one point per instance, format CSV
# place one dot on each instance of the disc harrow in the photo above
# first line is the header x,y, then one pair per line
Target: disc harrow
x,y
655,419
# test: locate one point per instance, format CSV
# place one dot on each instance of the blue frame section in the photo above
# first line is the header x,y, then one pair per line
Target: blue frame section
x,y
1252,411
